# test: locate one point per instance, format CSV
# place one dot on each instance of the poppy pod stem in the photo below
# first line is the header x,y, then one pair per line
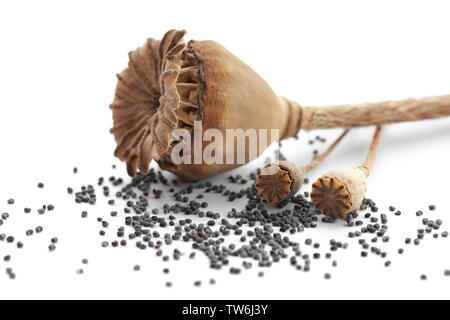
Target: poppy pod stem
x,y
367,165
342,191
368,114
313,164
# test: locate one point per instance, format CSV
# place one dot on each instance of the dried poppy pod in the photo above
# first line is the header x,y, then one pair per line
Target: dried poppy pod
x,y
279,181
170,85
342,191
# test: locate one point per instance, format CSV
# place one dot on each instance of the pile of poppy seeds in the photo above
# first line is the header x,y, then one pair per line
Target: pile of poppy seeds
x,y
265,235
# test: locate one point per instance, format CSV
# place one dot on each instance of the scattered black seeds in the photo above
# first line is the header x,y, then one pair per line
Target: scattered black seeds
x,y
264,236
10,273
11,201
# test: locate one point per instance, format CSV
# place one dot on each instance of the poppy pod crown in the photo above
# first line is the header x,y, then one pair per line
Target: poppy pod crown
x,y
169,85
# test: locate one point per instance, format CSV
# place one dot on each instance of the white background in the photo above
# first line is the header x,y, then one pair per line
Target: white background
x,y
58,61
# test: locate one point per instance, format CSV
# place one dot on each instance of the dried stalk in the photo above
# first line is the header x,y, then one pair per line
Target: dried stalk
x,y
368,114
367,165
313,164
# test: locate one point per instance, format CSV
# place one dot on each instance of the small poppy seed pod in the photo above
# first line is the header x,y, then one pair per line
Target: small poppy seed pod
x,y
342,191
339,192
279,181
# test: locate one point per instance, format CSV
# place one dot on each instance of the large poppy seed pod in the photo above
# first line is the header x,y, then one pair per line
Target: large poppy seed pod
x,y
279,181
169,84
